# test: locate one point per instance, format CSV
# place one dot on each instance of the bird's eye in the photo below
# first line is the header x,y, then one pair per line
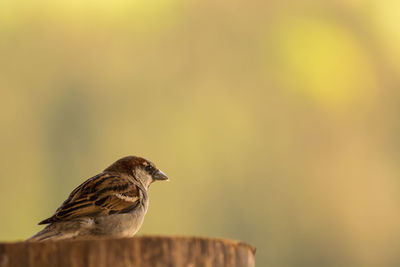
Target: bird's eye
x,y
149,168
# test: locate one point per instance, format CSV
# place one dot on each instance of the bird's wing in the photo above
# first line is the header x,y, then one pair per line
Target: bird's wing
x,y
103,194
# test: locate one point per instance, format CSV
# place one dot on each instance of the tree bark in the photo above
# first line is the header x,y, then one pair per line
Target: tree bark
x,y
145,251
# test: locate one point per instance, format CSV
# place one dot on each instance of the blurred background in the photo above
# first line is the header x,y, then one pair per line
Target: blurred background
x,y
277,121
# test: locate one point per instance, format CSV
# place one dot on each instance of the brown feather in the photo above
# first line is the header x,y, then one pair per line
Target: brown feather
x,y
101,195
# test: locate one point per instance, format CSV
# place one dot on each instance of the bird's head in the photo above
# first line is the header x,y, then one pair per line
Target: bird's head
x,y
139,168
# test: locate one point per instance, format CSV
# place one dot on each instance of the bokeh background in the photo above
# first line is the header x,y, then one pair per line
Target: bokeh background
x,y
277,121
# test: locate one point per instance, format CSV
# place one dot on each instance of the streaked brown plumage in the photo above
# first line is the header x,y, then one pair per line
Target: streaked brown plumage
x,y
112,203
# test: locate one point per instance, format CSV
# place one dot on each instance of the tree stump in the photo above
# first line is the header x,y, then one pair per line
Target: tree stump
x,y
144,251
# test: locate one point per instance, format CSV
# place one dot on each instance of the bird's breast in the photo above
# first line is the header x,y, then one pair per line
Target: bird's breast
x,y
121,225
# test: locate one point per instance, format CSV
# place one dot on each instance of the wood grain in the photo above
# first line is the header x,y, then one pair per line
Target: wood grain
x,y
144,251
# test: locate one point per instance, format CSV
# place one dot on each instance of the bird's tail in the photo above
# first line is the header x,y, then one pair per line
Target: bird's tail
x,y
47,233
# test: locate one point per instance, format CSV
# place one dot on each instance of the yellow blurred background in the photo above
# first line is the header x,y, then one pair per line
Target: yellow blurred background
x,y
277,121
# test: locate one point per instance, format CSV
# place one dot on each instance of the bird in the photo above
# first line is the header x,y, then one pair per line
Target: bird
x,y
112,203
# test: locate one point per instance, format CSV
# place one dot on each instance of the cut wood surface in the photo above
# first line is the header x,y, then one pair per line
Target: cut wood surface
x,y
144,251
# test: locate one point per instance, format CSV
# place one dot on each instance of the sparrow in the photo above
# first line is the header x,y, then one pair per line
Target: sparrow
x,y
112,203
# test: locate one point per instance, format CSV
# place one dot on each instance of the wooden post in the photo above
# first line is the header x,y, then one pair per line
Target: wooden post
x,y
144,251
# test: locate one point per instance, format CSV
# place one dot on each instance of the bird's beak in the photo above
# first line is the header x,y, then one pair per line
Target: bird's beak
x,y
159,175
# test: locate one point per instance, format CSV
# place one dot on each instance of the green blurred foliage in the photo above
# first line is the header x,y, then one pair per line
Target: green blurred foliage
x,y
276,120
